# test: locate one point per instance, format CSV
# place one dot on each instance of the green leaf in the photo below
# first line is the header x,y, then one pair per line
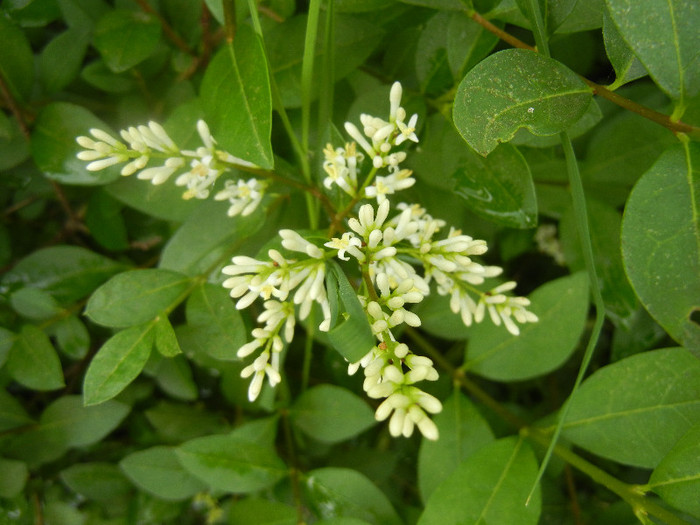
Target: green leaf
x,y
214,321
490,486
437,318
343,492
352,336
136,297
105,221
117,363
98,481
166,341
467,43
16,60
585,16
677,478
669,51
12,413
432,66
661,242
626,64
605,224
14,477
462,432
331,414
262,512
177,422
554,12
633,411
126,38
71,336
231,464
82,13
98,75
206,235
34,304
14,148
562,308
7,339
54,148
515,89
590,118
33,361
158,471
174,376
236,97
61,59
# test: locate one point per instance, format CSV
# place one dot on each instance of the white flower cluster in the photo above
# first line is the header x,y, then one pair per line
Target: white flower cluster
x,y
202,167
379,139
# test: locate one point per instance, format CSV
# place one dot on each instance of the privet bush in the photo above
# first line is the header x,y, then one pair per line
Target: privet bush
x,y
417,261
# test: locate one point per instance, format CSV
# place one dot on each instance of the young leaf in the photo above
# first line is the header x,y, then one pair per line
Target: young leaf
x,y
231,464
626,64
125,38
343,492
490,486
635,410
136,297
117,363
664,36
331,414
562,307
236,97
677,478
158,471
462,432
33,361
515,89
661,242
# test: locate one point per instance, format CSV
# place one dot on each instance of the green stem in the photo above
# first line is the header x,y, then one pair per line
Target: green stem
x,y
539,29
307,70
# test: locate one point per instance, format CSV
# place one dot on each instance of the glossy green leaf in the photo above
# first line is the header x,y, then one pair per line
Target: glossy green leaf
x,y
16,60
158,471
231,464
661,242
350,333
561,306
669,51
117,363
677,478
126,38
96,480
462,432
14,476
54,148
236,97
633,411
490,486
61,59
626,64
515,89
605,224
346,493
262,512
212,319
331,414
136,297
33,361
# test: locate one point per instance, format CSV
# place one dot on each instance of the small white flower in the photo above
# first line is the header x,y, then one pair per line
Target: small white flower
x,y
347,243
244,196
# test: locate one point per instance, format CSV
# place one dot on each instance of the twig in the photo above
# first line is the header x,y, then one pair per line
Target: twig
x,y
167,29
12,105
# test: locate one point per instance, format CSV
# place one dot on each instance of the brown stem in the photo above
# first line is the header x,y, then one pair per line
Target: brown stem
x,y
602,91
270,13
14,108
167,29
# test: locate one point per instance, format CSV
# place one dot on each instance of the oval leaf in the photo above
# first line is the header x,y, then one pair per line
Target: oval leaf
x,y
515,89
633,411
236,97
33,361
562,307
136,297
16,60
661,242
124,38
331,414
491,486
100,481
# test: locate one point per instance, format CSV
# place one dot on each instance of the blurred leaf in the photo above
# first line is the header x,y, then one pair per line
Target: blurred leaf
x,y
72,337
126,38
61,59
136,297
331,414
82,13
432,66
453,5
490,486
16,60
33,361
661,242
14,477
350,333
513,89
462,432
467,43
99,481
236,97
12,414
262,512
669,51
98,75
14,149
231,464
54,148
105,221
635,410
343,492
176,422
677,478
158,471
34,304
213,319
437,319
174,376
562,308
117,363
626,64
